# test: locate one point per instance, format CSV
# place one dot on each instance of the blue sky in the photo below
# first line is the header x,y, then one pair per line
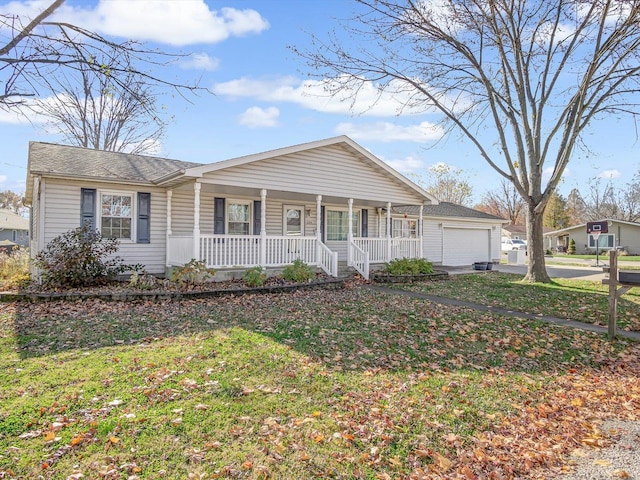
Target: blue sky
x,y
264,99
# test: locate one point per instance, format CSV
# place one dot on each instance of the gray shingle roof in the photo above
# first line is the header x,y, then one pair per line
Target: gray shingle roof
x,y
63,160
445,209
12,221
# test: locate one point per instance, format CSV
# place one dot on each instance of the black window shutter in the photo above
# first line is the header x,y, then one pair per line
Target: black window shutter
x,y
322,223
144,218
365,222
257,216
88,207
218,216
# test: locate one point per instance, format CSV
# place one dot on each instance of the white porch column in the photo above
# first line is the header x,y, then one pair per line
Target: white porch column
x,y
318,227
167,245
196,220
421,227
388,231
350,231
263,227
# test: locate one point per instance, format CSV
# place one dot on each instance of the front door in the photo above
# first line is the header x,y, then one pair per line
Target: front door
x,y
293,224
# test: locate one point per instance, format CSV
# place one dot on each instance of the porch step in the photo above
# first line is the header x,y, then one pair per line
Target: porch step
x,y
345,271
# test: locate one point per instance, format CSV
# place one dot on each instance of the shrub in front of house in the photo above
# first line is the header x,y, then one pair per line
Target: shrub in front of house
x,y
192,273
255,277
571,249
298,272
409,266
80,257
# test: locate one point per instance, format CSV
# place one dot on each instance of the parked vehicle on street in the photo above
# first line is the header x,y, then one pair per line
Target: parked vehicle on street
x,y
513,244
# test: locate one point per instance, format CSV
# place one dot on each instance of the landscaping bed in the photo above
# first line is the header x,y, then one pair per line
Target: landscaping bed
x,y
383,277
122,291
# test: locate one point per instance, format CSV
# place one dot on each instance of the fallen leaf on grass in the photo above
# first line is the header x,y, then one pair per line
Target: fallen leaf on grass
x,y
602,463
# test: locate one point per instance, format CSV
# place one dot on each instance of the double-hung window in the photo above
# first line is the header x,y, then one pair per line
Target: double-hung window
x,y
605,241
404,228
338,224
239,217
116,215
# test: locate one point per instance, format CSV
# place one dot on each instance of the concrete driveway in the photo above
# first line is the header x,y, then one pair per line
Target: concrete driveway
x,y
559,271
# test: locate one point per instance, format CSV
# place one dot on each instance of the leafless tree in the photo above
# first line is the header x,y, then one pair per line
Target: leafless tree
x,y
33,52
106,110
447,184
521,80
503,202
604,200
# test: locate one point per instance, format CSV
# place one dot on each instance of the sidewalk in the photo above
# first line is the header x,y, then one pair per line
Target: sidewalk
x,y
563,322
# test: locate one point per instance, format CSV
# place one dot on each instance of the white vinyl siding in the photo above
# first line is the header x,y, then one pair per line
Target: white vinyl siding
x,y
327,171
63,214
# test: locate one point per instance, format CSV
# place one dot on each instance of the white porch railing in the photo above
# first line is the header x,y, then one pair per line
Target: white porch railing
x,y
359,259
226,251
405,248
378,248
328,260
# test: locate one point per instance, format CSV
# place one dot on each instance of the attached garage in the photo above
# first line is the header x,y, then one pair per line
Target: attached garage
x,y
463,246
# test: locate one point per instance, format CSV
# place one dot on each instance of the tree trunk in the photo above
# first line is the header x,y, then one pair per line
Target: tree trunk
x,y
537,271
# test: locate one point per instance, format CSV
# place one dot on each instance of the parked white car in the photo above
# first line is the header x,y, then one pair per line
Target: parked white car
x,y
513,244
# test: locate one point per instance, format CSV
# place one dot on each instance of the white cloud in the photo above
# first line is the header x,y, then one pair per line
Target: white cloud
x,y
3,178
406,165
201,61
613,173
256,117
388,132
360,98
171,22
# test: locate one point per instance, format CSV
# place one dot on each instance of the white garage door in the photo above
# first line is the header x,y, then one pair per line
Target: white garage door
x,y
463,246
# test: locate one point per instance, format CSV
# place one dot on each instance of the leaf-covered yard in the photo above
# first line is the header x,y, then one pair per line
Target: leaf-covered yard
x,y
579,300
341,384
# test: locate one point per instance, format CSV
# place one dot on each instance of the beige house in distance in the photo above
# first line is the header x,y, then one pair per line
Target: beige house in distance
x,y
266,209
622,234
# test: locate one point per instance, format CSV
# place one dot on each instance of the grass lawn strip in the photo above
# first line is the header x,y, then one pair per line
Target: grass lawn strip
x,y
583,301
313,384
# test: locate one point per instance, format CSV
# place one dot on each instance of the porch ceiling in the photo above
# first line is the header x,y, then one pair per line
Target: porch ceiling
x,y
307,198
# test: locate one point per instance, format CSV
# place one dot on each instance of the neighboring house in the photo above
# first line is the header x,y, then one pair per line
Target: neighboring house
x,y
622,234
266,209
14,228
518,232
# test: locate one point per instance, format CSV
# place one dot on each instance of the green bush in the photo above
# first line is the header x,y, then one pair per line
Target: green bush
x,y
409,266
80,257
255,277
299,272
14,269
571,250
192,273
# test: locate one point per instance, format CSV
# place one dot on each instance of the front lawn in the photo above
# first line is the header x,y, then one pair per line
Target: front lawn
x,y
584,301
317,384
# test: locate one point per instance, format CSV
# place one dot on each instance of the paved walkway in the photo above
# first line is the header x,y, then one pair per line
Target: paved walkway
x,y
504,311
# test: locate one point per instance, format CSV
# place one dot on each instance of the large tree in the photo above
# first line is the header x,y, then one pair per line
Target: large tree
x,y
33,51
102,109
521,80
503,202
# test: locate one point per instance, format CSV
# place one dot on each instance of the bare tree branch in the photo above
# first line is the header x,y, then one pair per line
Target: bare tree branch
x,y
536,74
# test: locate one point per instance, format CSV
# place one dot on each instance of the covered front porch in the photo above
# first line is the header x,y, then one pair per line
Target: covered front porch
x,y
244,228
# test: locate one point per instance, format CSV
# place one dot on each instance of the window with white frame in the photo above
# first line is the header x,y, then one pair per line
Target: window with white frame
x,y
116,215
239,217
605,241
404,228
337,224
